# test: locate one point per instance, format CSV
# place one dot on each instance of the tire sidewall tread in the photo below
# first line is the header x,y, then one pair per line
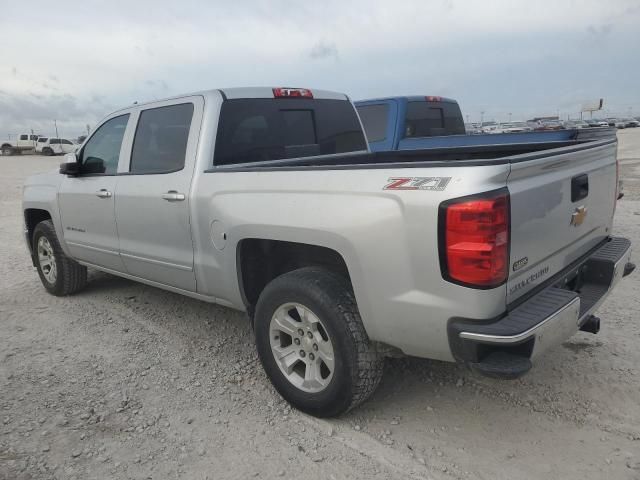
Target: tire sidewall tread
x,y
71,276
358,363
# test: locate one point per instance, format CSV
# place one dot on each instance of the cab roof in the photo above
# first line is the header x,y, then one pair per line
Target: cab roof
x,y
243,92
411,98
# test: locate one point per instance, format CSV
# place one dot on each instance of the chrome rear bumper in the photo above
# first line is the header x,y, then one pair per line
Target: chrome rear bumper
x,y
506,346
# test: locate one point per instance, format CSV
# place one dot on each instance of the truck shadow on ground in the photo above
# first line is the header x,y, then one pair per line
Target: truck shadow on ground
x,y
408,383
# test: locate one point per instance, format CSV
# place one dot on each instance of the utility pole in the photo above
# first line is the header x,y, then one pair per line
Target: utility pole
x,y
55,123
481,118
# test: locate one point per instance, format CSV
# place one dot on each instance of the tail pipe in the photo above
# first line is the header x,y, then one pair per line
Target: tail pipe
x,y
628,269
591,325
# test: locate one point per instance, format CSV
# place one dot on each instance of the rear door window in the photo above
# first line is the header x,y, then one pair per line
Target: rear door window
x,y
430,119
374,121
160,144
254,130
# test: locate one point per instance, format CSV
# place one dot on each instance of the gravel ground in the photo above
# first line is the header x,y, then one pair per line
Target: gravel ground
x,y
125,381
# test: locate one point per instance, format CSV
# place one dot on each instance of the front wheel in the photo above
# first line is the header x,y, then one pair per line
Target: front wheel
x,y
47,151
312,343
59,274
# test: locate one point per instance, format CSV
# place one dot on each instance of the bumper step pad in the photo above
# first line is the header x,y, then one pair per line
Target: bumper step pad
x,y
527,315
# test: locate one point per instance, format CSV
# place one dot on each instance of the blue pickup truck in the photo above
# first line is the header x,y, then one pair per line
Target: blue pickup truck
x,y
419,122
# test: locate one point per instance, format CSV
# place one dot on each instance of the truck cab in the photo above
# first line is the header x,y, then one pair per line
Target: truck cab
x,y
392,123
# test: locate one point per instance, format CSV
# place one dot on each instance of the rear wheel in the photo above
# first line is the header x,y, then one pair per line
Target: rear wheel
x,y
59,274
47,151
7,150
312,343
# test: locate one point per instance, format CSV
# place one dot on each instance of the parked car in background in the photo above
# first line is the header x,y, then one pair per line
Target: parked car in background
x,y
550,125
40,143
473,128
514,127
489,127
616,122
55,146
24,142
576,124
631,122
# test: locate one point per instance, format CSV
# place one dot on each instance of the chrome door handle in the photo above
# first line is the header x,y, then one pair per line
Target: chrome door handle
x,y
173,196
104,193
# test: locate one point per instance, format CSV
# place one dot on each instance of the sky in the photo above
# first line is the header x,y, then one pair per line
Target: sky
x,y
74,62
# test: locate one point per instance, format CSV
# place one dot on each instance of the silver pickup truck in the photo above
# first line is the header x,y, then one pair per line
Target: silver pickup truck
x,y
267,200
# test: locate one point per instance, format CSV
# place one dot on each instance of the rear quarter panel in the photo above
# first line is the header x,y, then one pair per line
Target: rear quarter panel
x,y
387,238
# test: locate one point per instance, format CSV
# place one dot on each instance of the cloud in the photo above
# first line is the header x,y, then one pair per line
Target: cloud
x,y
37,112
323,50
499,56
600,30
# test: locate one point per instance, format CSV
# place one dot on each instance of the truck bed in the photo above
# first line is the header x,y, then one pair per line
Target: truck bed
x,y
488,139
432,157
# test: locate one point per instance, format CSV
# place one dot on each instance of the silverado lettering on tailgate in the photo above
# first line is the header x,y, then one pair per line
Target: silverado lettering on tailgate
x,y
531,278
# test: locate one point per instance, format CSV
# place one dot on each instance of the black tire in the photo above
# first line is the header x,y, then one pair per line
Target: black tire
x,y
71,276
358,364
47,151
7,150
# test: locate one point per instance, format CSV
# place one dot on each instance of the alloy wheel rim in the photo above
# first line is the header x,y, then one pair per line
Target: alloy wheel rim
x,y
301,347
47,260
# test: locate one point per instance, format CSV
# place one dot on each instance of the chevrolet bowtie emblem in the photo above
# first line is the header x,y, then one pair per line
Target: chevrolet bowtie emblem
x,y
578,216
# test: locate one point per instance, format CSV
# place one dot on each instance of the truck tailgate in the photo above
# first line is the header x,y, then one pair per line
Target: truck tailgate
x,y
561,207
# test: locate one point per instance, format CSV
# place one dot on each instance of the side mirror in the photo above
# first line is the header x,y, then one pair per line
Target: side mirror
x,y
71,166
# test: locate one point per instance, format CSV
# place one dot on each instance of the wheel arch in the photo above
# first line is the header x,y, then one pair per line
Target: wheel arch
x,y
32,217
260,260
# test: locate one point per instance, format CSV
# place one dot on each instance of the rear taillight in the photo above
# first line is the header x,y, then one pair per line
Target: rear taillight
x,y
474,239
292,92
432,98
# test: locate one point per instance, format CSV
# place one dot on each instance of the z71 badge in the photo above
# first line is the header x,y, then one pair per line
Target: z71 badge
x,y
417,183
